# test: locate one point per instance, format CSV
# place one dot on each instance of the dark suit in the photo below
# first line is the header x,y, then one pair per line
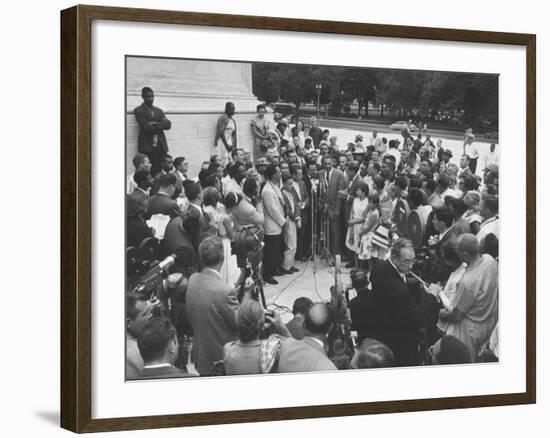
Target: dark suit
x,y
156,183
303,355
140,197
313,204
212,310
301,195
180,242
161,203
364,315
148,133
330,197
439,154
136,231
400,315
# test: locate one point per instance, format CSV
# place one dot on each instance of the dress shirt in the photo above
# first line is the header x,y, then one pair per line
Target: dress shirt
x,y
471,150
182,176
131,185
297,189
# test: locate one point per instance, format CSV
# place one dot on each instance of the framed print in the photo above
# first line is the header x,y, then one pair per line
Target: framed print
x,y
268,219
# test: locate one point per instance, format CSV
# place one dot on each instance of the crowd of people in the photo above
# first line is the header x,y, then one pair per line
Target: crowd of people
x,y
406,305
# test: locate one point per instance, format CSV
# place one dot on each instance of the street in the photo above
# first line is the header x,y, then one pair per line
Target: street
x,y
383,128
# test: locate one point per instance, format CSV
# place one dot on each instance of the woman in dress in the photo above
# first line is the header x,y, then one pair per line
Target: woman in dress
x,y
223,224
472,200
368,251
356,219
260,131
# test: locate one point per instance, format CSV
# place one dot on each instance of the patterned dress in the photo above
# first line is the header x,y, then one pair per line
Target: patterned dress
x,y
367,249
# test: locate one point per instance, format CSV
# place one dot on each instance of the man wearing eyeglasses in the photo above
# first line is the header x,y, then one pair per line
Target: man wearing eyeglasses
x,y
401,313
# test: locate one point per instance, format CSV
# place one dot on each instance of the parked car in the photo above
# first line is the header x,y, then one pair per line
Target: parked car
x,y
402,125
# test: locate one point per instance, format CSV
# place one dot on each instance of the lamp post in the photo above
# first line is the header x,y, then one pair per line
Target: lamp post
x,y
318,87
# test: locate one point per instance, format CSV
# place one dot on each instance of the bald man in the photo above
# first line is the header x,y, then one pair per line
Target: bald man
x,y
308,354
474,306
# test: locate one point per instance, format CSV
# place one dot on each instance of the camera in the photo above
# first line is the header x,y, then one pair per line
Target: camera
x,y
247,244
153,278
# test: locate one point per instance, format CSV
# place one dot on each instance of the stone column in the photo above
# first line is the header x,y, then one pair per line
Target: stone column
x,y
193,94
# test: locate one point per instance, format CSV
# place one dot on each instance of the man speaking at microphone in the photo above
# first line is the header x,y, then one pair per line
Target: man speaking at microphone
x,y
333,185
401,314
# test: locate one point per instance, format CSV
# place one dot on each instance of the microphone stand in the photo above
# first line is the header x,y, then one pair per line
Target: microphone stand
x,y
314,201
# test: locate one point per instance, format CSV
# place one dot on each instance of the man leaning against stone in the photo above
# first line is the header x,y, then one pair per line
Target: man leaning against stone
x,y
152,124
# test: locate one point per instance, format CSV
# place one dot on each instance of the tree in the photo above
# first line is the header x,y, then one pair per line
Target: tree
x,y
262,87
359,84
474,97
288,82
330,79
474,94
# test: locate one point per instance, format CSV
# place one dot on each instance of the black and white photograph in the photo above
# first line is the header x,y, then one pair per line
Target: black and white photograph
x,y
275,219
289,218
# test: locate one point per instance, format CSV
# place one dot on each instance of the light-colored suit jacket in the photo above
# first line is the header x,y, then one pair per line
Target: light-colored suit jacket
x,y
274,215
212,311
244,214
303,355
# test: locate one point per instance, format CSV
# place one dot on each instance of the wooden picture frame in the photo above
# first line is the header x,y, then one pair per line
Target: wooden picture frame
x,y
76,218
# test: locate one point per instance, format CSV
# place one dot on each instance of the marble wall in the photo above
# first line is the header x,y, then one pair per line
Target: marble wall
x,y
193,96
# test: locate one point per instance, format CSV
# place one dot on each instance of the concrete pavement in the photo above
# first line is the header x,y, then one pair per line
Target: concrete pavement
x,y
384,128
